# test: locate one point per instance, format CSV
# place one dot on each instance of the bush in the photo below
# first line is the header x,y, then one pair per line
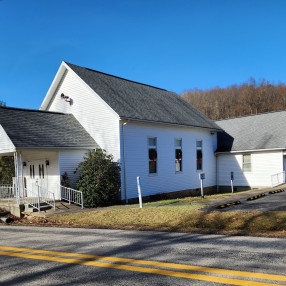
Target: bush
x,y
65,180
7,170
99,179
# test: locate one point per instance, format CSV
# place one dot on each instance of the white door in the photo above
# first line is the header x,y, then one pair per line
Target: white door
x,y
37,176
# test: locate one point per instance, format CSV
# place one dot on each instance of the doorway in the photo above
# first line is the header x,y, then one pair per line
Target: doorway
x,y
37,176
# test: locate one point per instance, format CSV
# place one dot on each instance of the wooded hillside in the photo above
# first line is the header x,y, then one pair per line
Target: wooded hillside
x,y
238,100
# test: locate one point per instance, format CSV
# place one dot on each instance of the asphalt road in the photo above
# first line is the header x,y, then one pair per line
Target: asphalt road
x,y
269,202
196,259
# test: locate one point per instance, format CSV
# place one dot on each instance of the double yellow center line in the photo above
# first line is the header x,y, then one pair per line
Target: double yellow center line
x,y
114,262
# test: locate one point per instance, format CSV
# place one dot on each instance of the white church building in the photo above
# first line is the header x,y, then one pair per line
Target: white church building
x,y
153,133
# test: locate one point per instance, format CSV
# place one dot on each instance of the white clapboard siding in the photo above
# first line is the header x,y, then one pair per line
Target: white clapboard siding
x,y
6,144
263,165
90,110
52,172
167,180
68,161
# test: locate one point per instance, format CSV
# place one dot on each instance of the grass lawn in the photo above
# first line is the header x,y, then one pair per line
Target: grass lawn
x,y
191,199
168,216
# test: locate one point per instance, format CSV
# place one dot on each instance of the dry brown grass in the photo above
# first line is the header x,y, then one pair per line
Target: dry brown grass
x,y
181,218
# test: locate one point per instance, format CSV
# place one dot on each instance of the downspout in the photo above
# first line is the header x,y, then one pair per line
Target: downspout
x,y
124,169
216,162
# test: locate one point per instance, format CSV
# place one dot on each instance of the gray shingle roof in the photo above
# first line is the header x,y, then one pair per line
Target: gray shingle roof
x,y
255,132
42,129
137,101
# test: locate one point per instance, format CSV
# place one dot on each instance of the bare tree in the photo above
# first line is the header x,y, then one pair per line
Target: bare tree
x,y
250,97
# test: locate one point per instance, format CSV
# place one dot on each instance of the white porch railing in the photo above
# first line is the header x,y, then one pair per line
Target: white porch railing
x,y
278,179
47,197
39,195
9,193
33,199
72,196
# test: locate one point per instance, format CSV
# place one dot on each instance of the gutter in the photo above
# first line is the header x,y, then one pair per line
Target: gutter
x,y
250,150
56,148
172,124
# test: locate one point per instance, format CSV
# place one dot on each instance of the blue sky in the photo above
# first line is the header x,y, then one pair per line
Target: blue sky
x,y
176,45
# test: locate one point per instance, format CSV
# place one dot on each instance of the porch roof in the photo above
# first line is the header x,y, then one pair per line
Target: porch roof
x,y
28,128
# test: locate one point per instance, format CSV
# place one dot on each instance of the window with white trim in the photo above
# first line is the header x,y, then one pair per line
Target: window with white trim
x,y
199,150
178,155
152,153
246,163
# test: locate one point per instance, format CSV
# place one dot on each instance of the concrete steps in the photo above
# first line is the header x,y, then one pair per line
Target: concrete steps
x,y
29,209
62,207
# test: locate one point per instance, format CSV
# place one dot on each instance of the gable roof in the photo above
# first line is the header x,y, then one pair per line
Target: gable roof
x,y
29,128
137,101
254,132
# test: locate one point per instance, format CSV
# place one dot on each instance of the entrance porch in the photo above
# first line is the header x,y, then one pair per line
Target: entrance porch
x,y
36,183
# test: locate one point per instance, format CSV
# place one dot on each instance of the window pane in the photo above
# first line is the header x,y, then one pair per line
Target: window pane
x,y
199,144
246,159
178,142
247,163
152,166
247,167
199,159
178,159
152,160
43,171
152,141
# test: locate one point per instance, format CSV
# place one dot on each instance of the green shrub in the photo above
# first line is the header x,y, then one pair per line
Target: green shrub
x,y
7,170
65,180
99,179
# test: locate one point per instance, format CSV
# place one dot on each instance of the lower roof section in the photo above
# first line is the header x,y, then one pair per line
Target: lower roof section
x,y
28,128
256,132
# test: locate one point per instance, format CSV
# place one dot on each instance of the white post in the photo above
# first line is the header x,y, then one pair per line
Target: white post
x,y
202,177
22,174
231,181
139,192
16,163
39,200
69,196
81,200
202,189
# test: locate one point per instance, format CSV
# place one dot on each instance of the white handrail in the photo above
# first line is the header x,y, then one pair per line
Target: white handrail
x,y
72,195
33,199
277,179
47,197
40,195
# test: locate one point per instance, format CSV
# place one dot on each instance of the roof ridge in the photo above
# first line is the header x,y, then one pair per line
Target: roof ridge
x,y
31,110
257,114
119,77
